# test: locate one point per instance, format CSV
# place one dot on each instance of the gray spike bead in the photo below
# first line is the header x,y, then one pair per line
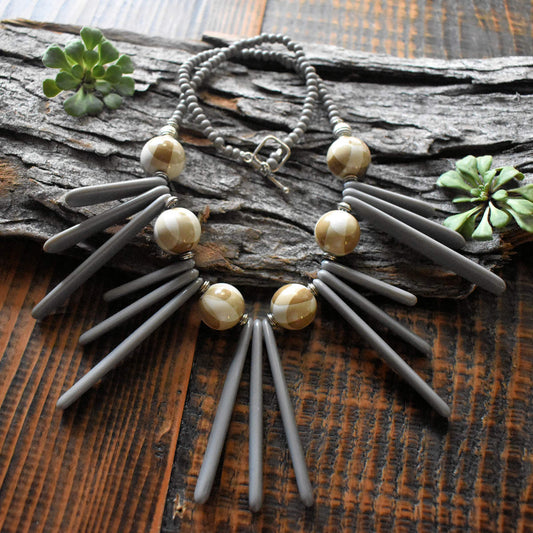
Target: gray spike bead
x,y
98,259
131,342
413,204
213,451
287,416
149,279
255,457
97,194
437,231
374,311
136,307
384,350
370,283
79,232
429,247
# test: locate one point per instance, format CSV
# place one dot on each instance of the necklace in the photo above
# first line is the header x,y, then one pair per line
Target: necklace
x,y
177,231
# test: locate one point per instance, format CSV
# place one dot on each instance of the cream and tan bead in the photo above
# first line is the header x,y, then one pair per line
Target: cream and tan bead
x,y
221,306
293,306
177,230
337,232
164,154
348,156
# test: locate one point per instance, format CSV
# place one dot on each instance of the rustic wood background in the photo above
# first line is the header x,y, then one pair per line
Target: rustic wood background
x,y
379,459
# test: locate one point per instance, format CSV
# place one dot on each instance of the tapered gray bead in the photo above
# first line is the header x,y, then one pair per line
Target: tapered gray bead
x,y
127,345
287,416
384,350
149,279
374,311
136,307
370,283
95,194
413,204
98,259
429,247
433,229
208,470
255,458
79,232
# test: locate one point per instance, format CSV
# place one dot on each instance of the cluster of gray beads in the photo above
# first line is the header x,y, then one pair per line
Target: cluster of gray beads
x,y
193,72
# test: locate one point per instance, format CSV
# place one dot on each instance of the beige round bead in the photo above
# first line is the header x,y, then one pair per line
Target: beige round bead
x,y
177,230
163,153
337,232
221,306
348,156
293,306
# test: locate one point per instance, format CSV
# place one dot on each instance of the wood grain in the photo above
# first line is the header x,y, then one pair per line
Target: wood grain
x,y
419,28
103,465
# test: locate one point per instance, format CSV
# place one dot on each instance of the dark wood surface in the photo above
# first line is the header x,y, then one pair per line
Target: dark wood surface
x,y
380,460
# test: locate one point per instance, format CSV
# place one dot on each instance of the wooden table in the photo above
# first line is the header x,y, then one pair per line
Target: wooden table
x,y
126,457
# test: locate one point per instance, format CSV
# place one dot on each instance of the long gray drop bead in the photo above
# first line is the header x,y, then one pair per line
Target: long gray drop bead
x,y
370,283
127,345
136,307
429,247
387,353
255,458
79,232
98,259
96,194
413,204
208,470
437,231
374,311
287,416
149,279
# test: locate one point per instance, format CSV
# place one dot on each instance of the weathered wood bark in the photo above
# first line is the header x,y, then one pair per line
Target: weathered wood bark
x,y
417,116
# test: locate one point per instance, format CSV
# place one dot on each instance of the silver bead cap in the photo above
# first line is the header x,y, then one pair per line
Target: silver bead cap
x,y
205,285
273,321
342,129
169,130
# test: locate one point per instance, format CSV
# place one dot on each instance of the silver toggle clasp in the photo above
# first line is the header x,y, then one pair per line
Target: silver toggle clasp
x,y
262,166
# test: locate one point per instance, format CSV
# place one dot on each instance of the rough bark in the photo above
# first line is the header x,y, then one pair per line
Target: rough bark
x,y
417,116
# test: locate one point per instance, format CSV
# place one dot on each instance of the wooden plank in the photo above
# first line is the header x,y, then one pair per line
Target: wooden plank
x,y
175,20
103,465
409,28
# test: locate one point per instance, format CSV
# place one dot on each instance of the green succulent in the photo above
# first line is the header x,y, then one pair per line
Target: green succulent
x,y
494,205
93,68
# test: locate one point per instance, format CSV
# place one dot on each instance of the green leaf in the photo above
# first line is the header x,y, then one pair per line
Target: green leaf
x,y
99,71
90,58
50,88
94,104
498,217
91,37
78,71
525,222
66,81
103,86
526,191
125,64
453,180
520,205
489,176
74,49
108,52
125,86
483,163
464,199
54,57
113,100
113,74
484,230
456,222
467,167
506,174
76,105
500,195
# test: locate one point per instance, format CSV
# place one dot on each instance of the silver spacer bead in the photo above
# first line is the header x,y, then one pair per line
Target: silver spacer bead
x,y
205,285
344,206
342,129
330,257
244,319
169,130
171,202
312,288
185,256
160,174
273,321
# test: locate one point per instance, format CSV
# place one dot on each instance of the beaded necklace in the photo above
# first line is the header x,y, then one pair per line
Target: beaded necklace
x,y
177,231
